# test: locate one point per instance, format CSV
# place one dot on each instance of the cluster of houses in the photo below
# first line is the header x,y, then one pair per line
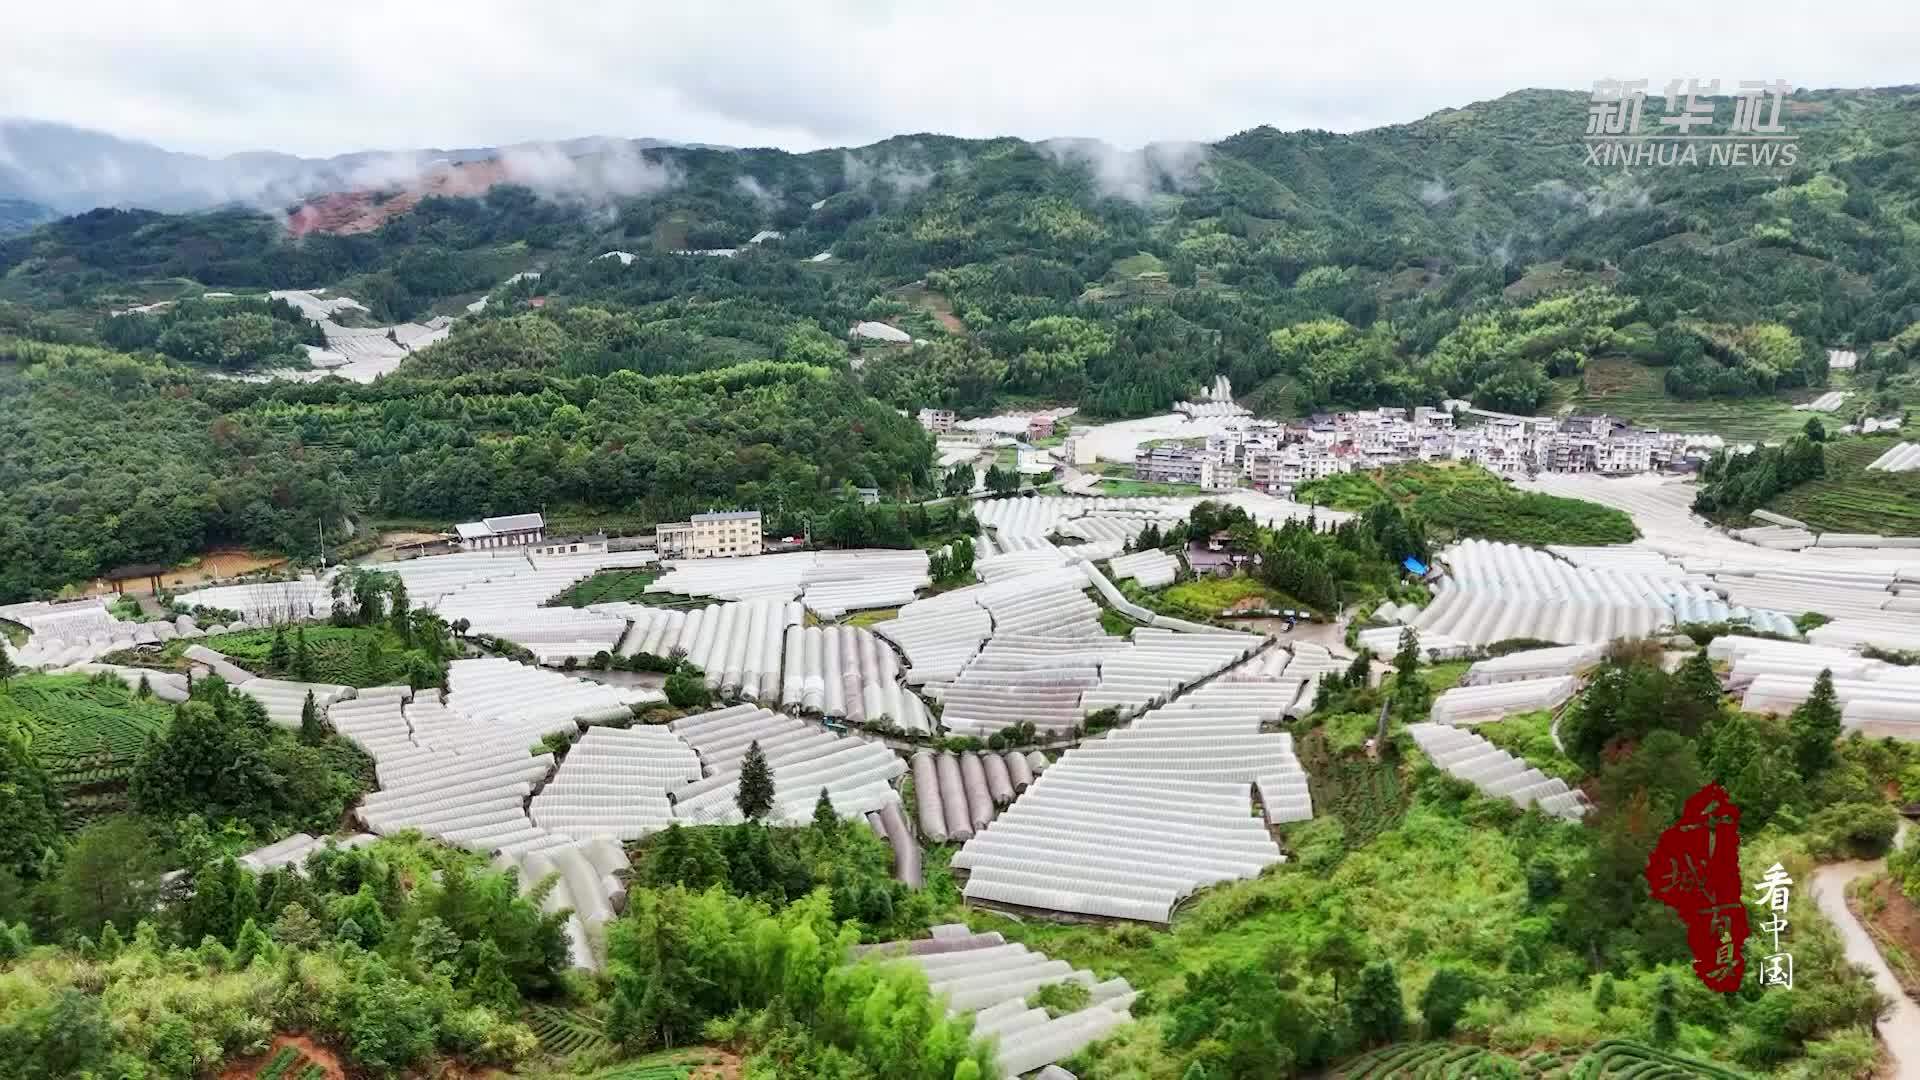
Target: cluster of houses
x,y
1275,457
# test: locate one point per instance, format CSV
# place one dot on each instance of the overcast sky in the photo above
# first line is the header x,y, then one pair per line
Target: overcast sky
x,y
318,79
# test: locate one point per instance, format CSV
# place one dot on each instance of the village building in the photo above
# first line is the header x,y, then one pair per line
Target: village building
x,y
514,530
937,421
720,535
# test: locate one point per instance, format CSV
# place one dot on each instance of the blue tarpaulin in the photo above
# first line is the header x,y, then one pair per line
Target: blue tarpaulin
x,y
1419,568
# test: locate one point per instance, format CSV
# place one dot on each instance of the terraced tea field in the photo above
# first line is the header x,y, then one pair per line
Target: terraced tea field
x,y
564,1032
1637,393
1613,1059
83,731
1851,499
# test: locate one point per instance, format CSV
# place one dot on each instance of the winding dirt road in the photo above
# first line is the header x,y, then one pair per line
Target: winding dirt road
x,y
1900,1024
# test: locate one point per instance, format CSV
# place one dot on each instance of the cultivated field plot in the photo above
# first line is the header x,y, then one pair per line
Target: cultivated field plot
x,y
628,586
1850,499
343,655
82,731
1638,393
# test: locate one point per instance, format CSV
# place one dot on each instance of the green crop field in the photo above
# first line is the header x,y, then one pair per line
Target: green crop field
x,y
1464,500
1851,499
563,1032
339,654
1638,393
82,731
630,586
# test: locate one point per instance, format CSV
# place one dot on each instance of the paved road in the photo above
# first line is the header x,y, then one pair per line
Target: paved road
x,y
1900,1024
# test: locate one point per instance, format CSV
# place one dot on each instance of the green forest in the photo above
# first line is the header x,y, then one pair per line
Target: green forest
x,y
1315,270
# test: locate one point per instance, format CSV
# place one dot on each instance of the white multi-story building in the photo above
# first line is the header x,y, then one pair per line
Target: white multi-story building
x,y
938,421
711,536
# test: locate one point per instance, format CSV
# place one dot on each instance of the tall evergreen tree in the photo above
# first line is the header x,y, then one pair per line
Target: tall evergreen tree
x,y
1379,1013
302,663
1666,1021
312,732
278,655
1815,725
755,796
826,823
7,668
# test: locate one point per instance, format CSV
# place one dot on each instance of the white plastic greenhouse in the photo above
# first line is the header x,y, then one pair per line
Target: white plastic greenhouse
x,y
1152,569
614,783
586,884
1464,706
1469,757
1536,664
804,758
1902,458
983,975
847,671
1128,825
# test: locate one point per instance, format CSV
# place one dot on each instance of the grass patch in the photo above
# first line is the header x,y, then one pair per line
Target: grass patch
x,y
608,586
1140,489
1851,499
1529,735
15,634
1465,500
1114,623
868,618
1215,594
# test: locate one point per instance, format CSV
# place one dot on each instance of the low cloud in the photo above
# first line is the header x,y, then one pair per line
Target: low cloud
x,y
1616,192
871,169
756,191
615,170
1133,175
1434,192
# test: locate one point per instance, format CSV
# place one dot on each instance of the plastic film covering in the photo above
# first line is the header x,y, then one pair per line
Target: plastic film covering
x,y
928,804
953,798
1469,757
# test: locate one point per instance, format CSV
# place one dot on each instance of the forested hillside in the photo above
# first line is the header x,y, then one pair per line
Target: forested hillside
x,y
1473,253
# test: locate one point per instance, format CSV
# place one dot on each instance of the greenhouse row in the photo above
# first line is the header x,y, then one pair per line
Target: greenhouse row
x,y
286,701
1435,647
166,686
500,696
848,672
1536,664
829,583
1020,678
293,851
614,782
1469,757
1128,825
1152,569
983,975
1464,706
1161,663
1495,592
77,632
588,886
956,795
1902,458
804,758
738,645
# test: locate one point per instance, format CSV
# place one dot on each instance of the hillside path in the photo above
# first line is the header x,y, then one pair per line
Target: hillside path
x,y
1900,1025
